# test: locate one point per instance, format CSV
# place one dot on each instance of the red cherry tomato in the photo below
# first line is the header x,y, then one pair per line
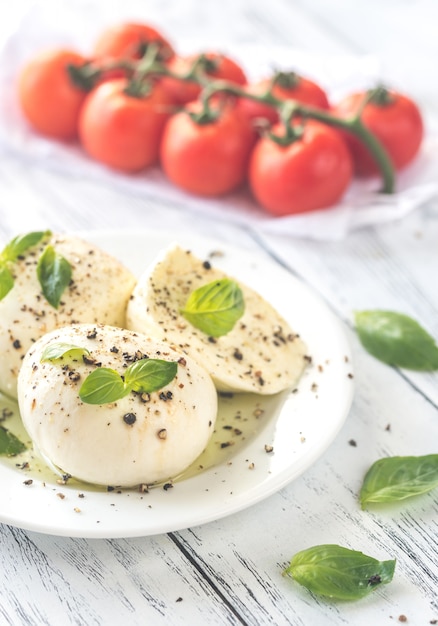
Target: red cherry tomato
x,y
289,86
218,66
48,96
311,173
394,119
208,159
129,41
121,130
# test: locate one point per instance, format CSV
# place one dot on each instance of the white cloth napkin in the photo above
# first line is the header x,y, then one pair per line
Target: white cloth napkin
x,y
44,27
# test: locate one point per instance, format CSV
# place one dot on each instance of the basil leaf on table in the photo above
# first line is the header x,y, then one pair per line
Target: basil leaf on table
x,y
215,308
54,274
397,340
339,573
10,445
399,477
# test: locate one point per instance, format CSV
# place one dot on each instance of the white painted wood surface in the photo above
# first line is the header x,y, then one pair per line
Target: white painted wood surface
x,y
229,571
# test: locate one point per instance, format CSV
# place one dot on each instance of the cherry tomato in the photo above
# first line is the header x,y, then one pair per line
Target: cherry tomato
x,y
218,66
394,119
130,40
123,131
48,97
310,173
210,158
288,86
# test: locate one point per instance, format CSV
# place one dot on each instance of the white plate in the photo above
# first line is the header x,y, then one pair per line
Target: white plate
x,y
299,426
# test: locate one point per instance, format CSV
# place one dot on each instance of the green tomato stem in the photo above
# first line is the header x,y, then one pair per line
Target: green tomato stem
x,y
289,109
355,126
147,65
292,132
377,151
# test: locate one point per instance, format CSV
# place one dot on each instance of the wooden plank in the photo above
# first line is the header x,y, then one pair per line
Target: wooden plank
x,y
56,580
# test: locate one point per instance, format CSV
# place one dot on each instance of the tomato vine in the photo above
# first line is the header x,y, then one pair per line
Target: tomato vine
x,y
134,103
151,66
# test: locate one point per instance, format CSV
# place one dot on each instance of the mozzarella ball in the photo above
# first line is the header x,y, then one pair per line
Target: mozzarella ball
x,y
98,293
261,354
142,438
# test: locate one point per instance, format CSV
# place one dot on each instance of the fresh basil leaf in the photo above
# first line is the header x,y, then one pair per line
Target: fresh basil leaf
x,y
339,573
397,340
147,375
6,281
215,308
399,477
105,385
9,444
58,350
102,386
54,273
20,244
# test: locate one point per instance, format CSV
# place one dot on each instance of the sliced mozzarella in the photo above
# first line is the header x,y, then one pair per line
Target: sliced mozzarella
x,y
260,354
139,439
98,293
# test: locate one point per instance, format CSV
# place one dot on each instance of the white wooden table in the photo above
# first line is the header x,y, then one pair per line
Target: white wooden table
x,y
229,571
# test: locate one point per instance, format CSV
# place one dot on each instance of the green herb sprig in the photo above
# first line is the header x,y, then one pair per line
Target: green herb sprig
x,y
53,270
11,252
6,281
215,307
54,274
21,244
10,445
339,573
55,351
105,385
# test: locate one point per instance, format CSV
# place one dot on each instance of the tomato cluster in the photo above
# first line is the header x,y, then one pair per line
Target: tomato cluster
x,y
135,103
